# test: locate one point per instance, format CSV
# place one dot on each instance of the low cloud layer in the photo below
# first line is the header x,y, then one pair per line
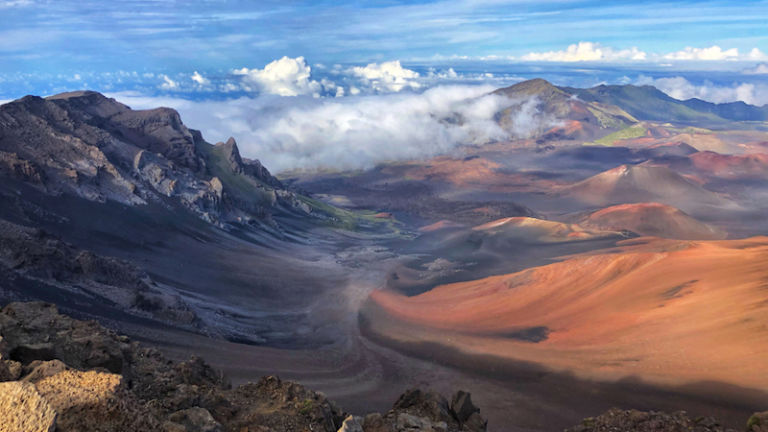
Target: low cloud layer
x,y
760,69
681,88
352,132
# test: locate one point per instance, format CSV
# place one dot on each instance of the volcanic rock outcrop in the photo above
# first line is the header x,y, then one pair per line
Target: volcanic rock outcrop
x,y
87,145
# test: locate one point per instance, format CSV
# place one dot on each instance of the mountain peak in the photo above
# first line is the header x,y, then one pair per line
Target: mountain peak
x,y
76,94
230,151
89,101
534,87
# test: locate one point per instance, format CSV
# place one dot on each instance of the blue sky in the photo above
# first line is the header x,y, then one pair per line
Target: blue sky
x,y
305,84
50,45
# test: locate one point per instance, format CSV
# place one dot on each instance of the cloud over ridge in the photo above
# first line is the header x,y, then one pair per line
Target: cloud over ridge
x,y
304,132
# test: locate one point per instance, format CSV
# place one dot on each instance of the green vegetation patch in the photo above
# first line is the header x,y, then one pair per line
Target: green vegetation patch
x,y
634,131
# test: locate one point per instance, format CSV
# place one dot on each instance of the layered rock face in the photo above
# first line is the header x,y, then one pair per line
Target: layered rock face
x,y
61,374
84,144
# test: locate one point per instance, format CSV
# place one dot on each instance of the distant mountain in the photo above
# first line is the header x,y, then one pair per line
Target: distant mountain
x,y
569,117
613,111
650,103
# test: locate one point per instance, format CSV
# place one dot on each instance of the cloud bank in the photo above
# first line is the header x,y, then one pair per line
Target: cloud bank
x,y
353,132
760,69
681,88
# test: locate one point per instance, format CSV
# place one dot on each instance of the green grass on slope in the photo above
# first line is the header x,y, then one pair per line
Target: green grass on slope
x,y
253,191
646,103
352,220
634,131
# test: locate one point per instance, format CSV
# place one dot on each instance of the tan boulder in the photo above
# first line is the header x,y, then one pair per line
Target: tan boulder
x,y
24,410
93,401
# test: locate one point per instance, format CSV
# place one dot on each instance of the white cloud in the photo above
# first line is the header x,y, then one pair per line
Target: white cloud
x,y
354,131
756,54
168,83
595,52
681,88
760,69
199,79
712,53
14,3
449,74
388,76
284,77
587,51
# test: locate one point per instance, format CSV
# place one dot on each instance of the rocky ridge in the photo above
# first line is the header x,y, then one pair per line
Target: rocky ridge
x,y
87,145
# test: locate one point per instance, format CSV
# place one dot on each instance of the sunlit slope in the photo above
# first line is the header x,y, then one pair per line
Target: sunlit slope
x,y
652,219
665,310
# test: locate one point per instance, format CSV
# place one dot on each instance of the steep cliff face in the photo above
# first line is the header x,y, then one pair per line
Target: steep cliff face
x,y
87,145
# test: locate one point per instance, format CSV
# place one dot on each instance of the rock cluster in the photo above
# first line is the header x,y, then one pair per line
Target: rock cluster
x,y
58,373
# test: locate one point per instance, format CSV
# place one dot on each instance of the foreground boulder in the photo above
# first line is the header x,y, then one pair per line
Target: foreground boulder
x,y
24,410
63,375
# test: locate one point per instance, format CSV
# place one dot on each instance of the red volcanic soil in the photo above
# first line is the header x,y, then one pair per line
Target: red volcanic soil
x,y
539,230
571,128
439,225
474,172
732,166
652,219
641,183
456,171
671,312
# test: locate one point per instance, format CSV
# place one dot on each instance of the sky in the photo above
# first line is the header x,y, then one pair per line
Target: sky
x,y
303,55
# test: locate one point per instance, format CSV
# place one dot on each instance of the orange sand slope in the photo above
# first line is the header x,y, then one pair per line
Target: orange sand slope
x,y
669,311
652,219
539,230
